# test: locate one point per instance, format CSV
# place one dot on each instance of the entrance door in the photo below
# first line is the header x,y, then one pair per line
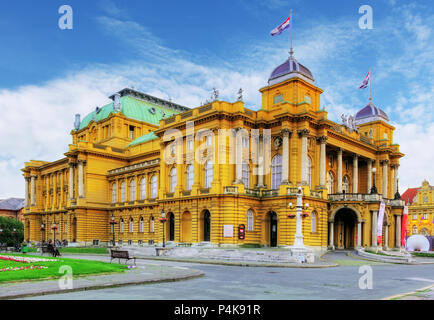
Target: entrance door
x,y
206,226
345,229
172,227
74,230
273,229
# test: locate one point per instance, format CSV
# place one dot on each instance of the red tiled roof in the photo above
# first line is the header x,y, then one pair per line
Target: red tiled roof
x,y
409,195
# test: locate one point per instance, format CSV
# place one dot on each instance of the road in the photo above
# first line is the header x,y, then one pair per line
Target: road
x,y
230,282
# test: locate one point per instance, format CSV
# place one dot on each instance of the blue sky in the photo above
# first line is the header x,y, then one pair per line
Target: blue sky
x,y
180,50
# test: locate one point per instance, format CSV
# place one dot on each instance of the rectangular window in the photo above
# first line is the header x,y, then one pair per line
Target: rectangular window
x,y
95,242
131,132
278,99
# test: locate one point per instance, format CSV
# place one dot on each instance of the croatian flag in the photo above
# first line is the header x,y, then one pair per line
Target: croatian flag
x,y
279,29
366,81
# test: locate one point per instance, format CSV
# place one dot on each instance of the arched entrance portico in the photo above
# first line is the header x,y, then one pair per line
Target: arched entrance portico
x,y
345,228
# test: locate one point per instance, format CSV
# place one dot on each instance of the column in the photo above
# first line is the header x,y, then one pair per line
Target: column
x,y
238,156
261,161
285,156
322,161
395,178
33,190
339,189
80,179
356,174
374,229
304,134
369,184
398,232
53,178
61,204
71,181
359,234
385,178
386,237
331,240
26,199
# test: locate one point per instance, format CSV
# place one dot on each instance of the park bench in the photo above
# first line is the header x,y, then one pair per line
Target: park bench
x,y
45,249
121,254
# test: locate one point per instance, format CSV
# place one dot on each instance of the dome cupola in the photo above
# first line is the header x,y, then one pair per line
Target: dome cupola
x,y
370,113
291,68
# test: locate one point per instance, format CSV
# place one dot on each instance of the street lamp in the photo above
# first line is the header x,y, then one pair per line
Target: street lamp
x,y
374,188
14,232
54,228
163,220
298,241
112,223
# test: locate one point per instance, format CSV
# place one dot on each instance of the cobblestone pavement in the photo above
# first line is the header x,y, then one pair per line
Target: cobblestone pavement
x,y
222,282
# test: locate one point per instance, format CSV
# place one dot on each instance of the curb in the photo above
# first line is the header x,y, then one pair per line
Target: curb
x,y
401,295
196,274
238,264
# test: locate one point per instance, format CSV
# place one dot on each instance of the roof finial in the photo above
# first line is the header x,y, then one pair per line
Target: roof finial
x,y
291,51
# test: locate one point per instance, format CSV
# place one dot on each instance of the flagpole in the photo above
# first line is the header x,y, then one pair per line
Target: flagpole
x,y
370,85
291,52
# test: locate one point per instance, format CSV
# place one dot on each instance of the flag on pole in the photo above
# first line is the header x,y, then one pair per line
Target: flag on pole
x,y
366,81
278,30
380,222
404,225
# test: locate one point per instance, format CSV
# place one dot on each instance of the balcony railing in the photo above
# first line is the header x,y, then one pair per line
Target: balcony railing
x,y
230,190
270,193
365,197
253,192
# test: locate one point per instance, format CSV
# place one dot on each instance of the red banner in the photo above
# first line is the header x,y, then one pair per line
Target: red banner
x,y
404,225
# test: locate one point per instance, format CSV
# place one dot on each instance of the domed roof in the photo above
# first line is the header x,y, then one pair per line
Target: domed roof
x,y
289,69
370,113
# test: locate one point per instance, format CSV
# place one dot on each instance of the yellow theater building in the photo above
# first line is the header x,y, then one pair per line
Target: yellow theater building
x,y
420,203
219,168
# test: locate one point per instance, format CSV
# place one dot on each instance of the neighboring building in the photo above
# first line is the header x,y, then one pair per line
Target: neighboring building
x,y
115,167
12,208
420,203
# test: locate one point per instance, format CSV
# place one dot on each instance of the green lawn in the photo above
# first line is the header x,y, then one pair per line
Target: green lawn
x,y
84,250
423,254
79,267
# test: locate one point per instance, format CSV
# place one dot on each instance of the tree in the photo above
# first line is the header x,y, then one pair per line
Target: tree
x,y
8,236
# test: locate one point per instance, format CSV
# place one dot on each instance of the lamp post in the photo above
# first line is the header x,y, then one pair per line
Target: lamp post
x,y
163,220
14,237
298,241
42,232
54,228
374,188
112,223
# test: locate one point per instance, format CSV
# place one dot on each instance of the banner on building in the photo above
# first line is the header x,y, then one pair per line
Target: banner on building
x,y
404,225
380,222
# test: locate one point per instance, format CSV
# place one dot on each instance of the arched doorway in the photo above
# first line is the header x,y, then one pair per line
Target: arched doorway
x,y
171,227
74,230
186,227
206,226
271,228
345,229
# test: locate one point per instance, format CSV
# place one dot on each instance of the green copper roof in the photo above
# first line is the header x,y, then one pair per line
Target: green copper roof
x,y
135,107
147,137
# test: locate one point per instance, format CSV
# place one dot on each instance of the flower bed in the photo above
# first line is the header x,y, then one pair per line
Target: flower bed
x,y
23,268
25,259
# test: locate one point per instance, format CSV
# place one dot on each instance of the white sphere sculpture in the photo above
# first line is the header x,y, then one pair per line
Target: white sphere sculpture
x,y
417,243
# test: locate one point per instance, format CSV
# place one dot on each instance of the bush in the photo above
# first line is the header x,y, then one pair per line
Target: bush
x,y
250,245
8,236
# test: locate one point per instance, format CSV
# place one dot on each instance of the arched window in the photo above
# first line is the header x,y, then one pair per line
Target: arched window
x,y
114,193
330,182
245,175
345,185
123,191
190,176
309,172
131,225
153,187
121,225
151,225
173,179
250,221
133,190
141,224
208,173
143,189
276,171
313,221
